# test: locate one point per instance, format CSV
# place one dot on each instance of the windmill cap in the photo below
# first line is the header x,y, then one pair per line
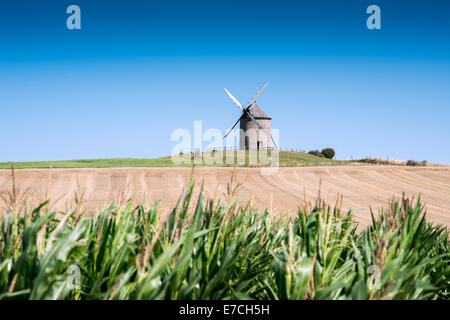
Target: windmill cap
x,y
258,113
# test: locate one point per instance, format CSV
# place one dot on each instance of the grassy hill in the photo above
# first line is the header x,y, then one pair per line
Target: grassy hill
x,y
286,158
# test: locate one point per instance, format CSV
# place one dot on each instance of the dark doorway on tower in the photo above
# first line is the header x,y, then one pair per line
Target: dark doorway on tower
x,y
259,145
246,142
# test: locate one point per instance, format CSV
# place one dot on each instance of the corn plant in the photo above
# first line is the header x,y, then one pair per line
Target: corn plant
x,y
221,250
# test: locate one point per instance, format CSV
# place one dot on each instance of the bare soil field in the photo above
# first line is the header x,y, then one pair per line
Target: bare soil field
x,y
361,186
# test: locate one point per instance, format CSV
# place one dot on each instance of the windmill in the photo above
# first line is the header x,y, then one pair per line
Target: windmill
x,y
254,124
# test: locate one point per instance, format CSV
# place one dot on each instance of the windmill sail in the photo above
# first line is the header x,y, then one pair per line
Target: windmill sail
x,y
234,99
234,125
257,95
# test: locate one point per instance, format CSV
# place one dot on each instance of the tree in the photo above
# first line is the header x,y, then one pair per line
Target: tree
x,y
328,153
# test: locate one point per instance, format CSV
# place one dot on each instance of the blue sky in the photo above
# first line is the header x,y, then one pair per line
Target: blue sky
x,y
137,70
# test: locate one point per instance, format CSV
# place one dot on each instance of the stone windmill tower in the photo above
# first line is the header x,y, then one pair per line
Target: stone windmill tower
x,y
255,131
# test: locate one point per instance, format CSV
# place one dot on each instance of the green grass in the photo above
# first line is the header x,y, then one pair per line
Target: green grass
x,y
91,163
300,159
219,250
286,158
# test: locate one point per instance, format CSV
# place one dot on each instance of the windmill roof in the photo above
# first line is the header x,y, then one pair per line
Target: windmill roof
x,y
258,113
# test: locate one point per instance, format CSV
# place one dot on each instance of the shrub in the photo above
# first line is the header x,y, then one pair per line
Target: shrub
x,y
328,153
314,152
415,163
381,161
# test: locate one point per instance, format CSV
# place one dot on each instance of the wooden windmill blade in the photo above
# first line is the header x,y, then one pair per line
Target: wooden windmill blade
x,y
234,99
234,125
257,95
254,120
239,105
